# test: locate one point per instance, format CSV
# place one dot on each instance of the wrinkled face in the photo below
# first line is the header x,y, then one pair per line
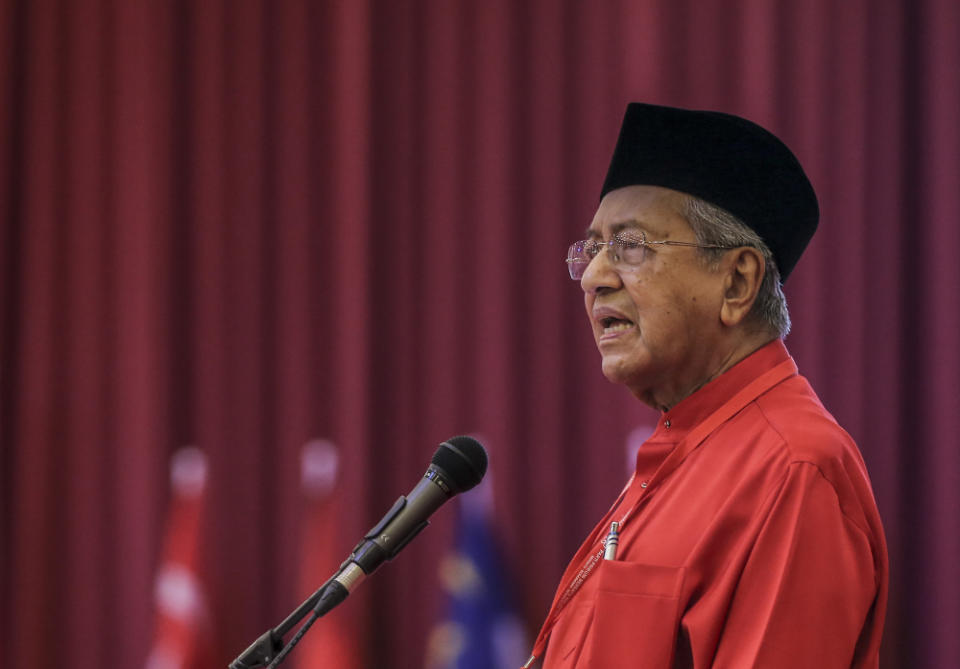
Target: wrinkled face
x,y
657,325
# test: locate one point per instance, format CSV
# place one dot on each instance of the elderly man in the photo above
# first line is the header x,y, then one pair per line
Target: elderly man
x,y
748,535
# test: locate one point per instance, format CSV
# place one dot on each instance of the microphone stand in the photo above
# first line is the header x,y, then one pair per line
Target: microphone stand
x,y
382,542
268,650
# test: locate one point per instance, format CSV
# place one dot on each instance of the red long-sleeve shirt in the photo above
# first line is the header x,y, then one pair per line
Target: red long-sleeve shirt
x,y
751,538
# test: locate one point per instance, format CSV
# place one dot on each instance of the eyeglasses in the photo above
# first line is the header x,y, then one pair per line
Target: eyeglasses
x,y
625,250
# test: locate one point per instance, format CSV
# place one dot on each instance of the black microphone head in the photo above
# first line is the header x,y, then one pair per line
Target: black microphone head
x,y
464,462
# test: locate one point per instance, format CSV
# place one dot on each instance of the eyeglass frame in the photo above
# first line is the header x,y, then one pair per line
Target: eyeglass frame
x,y
618,239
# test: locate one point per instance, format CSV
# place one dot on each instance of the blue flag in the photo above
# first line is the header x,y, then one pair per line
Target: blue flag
x,y
481,629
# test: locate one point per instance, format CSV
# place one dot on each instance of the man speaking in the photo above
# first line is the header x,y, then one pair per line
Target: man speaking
x,y
748,535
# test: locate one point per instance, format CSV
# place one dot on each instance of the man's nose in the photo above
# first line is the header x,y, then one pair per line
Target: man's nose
x,y
600,275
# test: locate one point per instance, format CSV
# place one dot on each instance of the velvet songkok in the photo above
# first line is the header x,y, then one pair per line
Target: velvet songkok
x,y
726,160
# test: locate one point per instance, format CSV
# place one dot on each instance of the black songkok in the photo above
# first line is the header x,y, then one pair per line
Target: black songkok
x,y
726,160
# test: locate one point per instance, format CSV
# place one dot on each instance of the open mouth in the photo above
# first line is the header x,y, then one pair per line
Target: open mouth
x,y
611,324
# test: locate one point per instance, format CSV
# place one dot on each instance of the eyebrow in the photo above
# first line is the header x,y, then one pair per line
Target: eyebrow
x,y
619,226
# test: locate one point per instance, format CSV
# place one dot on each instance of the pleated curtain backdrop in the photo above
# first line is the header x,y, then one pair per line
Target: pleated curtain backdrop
x,y
245,225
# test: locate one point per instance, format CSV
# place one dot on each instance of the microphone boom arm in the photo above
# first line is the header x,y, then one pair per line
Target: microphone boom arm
x,y
367,554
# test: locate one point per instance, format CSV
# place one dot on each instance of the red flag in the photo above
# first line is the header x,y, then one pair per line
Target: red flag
x,y
333,640
182,639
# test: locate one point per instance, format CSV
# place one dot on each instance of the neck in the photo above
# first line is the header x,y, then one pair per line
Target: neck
x,y
726,357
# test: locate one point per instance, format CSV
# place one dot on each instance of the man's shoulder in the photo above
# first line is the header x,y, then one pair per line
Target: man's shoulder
x,y
808,431
810,436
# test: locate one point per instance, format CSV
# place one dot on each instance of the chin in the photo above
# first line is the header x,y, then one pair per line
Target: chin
x,y
618,370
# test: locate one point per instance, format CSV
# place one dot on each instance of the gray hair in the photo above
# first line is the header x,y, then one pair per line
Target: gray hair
x,y
717,227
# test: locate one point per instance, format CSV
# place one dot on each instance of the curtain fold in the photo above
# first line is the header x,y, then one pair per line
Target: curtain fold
x,y
243,226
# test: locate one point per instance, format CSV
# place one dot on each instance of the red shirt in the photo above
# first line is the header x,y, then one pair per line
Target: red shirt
x,y
751,539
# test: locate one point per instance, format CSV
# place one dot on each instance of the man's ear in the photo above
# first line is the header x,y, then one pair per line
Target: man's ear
x,y
744,268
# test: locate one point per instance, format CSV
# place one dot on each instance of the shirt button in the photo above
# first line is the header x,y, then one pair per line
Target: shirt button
x,y
666,423
643,484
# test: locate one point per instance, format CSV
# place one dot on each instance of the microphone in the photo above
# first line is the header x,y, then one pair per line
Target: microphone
x,y
457,466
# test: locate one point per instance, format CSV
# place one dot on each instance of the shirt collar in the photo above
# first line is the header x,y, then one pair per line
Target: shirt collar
x,y
678,421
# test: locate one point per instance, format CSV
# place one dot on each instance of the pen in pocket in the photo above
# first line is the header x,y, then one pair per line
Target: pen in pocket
x,y
610,545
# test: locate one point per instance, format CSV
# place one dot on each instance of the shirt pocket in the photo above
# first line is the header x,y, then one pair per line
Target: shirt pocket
x,y
636,616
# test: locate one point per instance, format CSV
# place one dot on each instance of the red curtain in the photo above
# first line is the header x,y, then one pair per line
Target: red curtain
x,y
244,225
